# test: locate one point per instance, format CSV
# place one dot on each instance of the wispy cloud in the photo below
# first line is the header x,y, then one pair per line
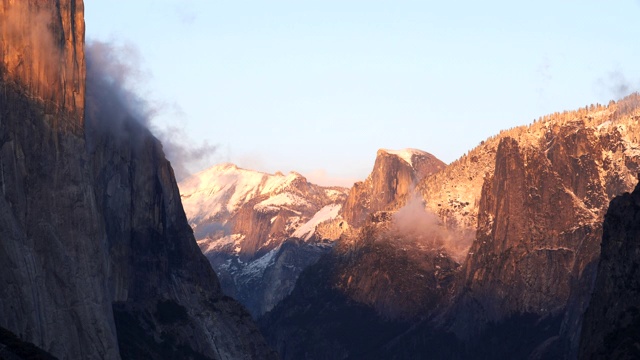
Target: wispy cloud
x,y
543,72
115,100
616,84
415,222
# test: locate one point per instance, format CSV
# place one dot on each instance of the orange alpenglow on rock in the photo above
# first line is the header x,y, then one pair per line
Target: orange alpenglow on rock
x,y
42,51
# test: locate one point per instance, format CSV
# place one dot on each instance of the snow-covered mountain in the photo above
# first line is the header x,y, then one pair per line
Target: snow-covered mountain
x,y
249,213
259,231
242,219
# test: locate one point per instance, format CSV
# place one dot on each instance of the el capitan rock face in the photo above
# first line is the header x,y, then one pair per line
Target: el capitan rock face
x,y
611,323
98,258
42,53
51,231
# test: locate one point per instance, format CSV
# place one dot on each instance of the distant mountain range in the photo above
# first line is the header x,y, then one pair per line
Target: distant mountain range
x,y
422,256
259,231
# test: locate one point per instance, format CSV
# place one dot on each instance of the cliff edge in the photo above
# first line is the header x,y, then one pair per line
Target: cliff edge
x,y
98,258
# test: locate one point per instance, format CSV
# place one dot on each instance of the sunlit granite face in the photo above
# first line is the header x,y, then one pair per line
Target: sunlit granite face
x,y
42,50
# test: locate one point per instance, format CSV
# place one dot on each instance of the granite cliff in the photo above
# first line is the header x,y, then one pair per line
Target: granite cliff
x,y
51,231
98,258
540,223
516,228
260,230
395,175
384,272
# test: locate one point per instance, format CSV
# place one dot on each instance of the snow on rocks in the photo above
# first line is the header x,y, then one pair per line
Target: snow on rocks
x,y
406,154
307,230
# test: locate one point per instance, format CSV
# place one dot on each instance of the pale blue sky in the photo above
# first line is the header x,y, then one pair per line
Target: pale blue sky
x,y
316,86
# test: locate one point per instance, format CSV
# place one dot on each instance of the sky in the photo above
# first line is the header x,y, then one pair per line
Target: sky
x,y
318,87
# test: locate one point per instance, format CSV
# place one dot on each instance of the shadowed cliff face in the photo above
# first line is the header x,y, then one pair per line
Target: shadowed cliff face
x,y
161,284
611,327
98,258
361,296
53,247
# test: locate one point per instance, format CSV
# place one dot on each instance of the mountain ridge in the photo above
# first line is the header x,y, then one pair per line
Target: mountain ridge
x,y
260,230
524,209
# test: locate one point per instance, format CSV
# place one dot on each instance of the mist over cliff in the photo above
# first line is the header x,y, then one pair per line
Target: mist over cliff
x,y
115,100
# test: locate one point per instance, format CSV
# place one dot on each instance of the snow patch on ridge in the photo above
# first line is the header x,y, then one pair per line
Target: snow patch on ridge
x,y
405,154
207,245
328,212
256,268
283,199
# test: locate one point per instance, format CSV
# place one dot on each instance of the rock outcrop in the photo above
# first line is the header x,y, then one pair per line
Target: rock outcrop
x,y
542,208
98,258
356,299
384,272
611,327
395,175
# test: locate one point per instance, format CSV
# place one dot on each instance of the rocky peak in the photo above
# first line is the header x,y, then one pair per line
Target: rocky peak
x,y
395,174
566,139
421,161
259,207
258,230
